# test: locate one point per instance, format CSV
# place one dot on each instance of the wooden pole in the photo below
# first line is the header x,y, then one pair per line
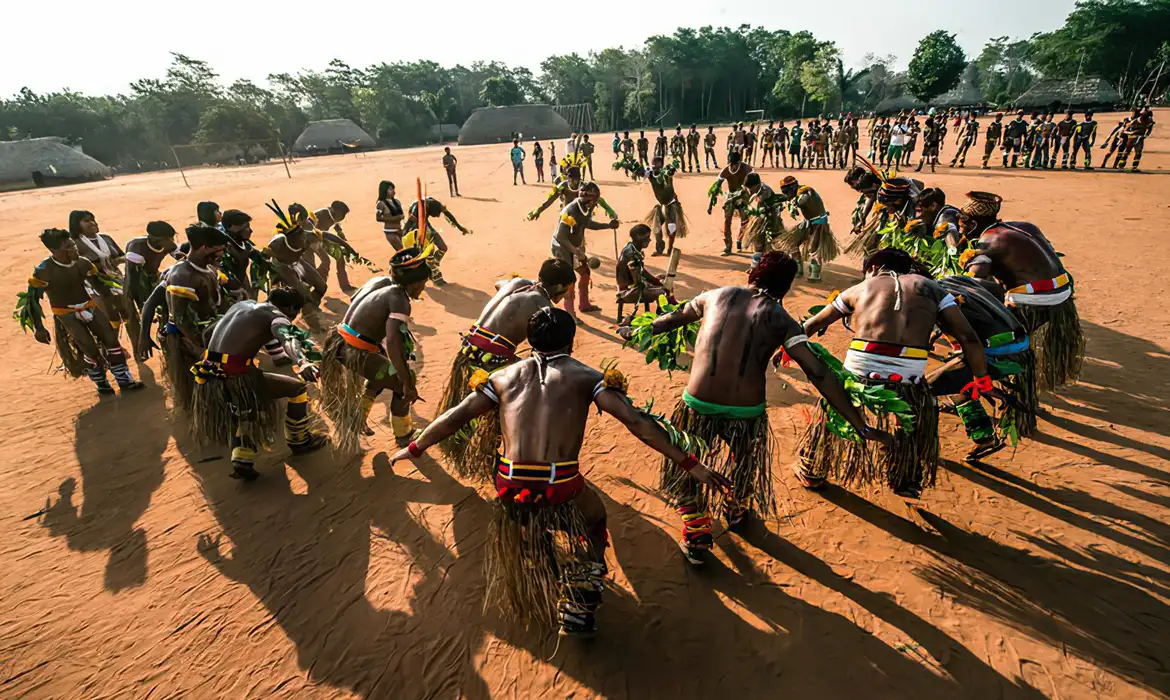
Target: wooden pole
x,y
280,147
180,164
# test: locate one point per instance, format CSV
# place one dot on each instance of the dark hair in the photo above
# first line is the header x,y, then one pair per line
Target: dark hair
x,y
287,298
773,273
590,187
752,180
53,238
205,212
894,260
556,272
384,188
201,236
734,157
574,172
408,274
551,329
340,206
932,195
75,218
160,228
235,217
640,230
434,207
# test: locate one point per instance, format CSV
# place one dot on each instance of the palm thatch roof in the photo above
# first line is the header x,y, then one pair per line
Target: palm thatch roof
x,y
332,135
1085,92
49,161
497,124
965,94
904,102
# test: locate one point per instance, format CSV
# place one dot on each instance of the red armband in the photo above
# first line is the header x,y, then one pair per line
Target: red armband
x,y
689,463
413,450
977,387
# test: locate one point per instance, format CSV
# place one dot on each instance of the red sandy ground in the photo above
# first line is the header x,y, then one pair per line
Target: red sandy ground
x,y
152,574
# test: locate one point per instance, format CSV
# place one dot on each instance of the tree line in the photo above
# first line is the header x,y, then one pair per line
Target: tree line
x,y
704,75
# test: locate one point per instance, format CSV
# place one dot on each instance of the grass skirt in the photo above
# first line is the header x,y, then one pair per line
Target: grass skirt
x,y
472,450
912,459
219,406
1022,387
868,238
656,218
813,241
342,385
1057,339
763,231
72,360
177,363
530,550
738,448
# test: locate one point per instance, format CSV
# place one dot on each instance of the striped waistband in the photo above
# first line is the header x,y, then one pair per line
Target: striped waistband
x,y
488,341
231,364
66,310
356,339
1053,285
1010,348
888,349
538,472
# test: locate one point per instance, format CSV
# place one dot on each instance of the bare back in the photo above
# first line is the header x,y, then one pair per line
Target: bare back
x,y
245,328
872,304
369,314
544,421
741,331
510,309
1018,256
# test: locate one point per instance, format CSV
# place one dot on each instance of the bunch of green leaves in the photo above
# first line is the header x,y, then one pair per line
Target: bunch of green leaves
x,y
663,348
28,309
1007,426
301,337
875,398
343,252
931,252
109,281
691,444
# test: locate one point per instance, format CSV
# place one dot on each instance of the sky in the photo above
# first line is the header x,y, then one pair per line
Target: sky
x,y
119,41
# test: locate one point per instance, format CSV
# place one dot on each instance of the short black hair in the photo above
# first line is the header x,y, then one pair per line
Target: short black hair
x,y
203,236
160,228
288,298
573,172
340,206
752,180
640,230
551,329
75,218
894,260
932,195
773,273
557,272
734,157
53,238
235,217
205,212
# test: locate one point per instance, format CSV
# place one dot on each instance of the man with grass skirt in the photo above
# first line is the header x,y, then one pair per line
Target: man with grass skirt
x,y
194,300
568,189
865,183
1039,289
370,351
895,204
235,402
1010,361
568,243
434,209
892,315
107,257
766,209
288,251
725,402
667,211
735,175
811,239
144,255
546,545
489,346
85,340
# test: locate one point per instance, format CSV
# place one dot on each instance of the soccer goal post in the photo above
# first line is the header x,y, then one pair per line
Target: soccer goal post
x,y
228,154
753,115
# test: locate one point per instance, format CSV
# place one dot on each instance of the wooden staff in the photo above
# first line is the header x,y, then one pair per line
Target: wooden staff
x,y
421,238
671,270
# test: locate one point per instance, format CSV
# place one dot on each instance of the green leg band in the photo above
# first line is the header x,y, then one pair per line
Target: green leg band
x,y
976,421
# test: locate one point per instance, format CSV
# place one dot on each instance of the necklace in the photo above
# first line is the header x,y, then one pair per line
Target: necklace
x,y
58,262
156,250
739,166
204,270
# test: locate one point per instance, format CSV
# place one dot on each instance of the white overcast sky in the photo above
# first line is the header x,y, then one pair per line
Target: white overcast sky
x,y
100,47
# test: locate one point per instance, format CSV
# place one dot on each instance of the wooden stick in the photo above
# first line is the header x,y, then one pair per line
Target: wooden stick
x,y
671,270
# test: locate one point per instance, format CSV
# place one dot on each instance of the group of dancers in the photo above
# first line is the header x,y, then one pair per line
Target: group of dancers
x,y
998,300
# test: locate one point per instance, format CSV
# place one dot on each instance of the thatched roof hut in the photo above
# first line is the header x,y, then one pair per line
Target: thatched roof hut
x,y
332,136
903,103
46,161
497,124
965,94
1086,92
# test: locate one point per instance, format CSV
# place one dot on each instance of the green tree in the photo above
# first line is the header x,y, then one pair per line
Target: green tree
x,y
818,76
936,67
501,91
1004,72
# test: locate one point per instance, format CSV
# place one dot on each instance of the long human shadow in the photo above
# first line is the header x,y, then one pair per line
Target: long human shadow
x,y
465,302
1107,622
118,478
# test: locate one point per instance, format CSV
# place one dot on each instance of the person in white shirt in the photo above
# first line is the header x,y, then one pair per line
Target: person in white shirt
x,y
897,141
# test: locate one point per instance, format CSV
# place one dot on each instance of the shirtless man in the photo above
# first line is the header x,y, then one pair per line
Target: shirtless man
x,y
635,285
967,138
782,137
370,351
862,181
678,146
194,301
725,402
236,401
567,190
1065,130
812,238
735,175
768,145
434,209
709,140
1114,141
1039,289
1084,138
643,148
667,211
991,139
544,404
627,144
568,243
107,257
693,139
288,251
244,265
144,255
892,314
661,145
323,220
941,219
86,341
490,346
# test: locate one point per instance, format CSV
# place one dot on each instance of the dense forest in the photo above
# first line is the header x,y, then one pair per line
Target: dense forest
x,y
704,75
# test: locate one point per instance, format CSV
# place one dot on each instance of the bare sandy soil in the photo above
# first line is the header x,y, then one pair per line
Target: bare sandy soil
x,y
150,573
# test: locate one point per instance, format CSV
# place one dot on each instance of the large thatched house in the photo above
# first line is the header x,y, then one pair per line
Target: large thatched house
x,y
1061,94
46,161
497,124
332,136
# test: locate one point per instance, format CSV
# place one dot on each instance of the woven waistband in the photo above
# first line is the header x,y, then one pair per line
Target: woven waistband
x,y
232,364
538,472
356,339
66,310
488,341
1053,285
888,349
